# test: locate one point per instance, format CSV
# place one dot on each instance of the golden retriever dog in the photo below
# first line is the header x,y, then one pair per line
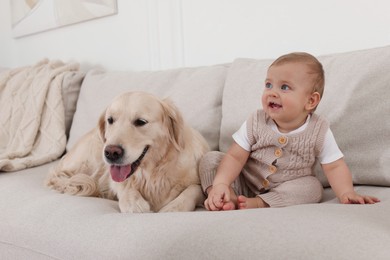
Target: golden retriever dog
x,y
141,153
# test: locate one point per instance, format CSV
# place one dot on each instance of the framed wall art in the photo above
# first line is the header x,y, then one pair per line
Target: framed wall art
x,y
33,16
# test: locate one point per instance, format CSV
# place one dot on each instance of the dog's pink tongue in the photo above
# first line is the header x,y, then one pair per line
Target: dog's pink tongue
x,y
120,173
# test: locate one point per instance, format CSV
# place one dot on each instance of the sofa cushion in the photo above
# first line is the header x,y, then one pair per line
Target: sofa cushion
x,y
197,92
355,101
38,223
70,92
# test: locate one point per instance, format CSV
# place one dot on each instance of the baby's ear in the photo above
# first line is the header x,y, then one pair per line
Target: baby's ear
x,y
313,101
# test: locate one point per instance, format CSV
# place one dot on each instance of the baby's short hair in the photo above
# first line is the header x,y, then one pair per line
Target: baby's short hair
x,y
315,67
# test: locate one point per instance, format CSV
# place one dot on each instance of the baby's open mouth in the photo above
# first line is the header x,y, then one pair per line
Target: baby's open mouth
x,y
120,173
274,105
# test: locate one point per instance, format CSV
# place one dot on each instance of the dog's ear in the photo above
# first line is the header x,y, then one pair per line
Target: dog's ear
x,y
102,126
175,123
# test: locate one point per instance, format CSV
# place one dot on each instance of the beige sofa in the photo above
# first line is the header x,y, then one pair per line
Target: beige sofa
x,y
38,223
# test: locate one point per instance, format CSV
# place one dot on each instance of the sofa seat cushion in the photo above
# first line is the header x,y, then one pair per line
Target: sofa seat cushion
x,y
38,223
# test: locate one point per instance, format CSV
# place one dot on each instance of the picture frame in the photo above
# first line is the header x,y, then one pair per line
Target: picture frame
x,y
33,16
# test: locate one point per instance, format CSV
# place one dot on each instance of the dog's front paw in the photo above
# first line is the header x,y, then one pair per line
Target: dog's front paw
x,y
186,201
134,206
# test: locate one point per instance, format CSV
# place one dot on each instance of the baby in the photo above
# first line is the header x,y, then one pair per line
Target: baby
x,y
271,159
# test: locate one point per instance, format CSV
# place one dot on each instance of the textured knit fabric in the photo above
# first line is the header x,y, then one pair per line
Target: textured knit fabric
x,y
32,114
278,158
279,168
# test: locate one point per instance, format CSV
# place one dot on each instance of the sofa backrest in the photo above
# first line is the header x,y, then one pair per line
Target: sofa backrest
x,y
71,85
216,100
197,92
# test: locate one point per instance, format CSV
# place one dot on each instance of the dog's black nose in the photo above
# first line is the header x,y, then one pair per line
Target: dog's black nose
x,y
113,152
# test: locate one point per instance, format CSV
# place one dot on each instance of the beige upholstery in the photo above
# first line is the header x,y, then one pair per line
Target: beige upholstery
x,y
37,223
196,91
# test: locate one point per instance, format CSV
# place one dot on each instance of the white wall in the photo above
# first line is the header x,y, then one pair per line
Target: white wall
x,y
160,34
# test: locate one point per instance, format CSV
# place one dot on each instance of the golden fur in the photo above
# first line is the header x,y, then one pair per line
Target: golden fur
x,y
136,129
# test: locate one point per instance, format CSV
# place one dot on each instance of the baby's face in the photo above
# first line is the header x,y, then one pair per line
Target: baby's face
x,y
288,88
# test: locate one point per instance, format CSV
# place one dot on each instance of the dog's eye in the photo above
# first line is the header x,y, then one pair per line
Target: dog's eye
x,y
110,120
140,122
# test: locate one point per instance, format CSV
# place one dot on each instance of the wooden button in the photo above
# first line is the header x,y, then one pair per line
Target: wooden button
x,y
265,183
282,139
272,168
278,152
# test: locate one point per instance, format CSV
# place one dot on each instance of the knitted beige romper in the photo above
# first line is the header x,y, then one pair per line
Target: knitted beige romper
x,y
279,168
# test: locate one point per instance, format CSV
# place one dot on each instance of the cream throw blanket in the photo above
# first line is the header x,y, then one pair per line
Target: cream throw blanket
x,y
32,119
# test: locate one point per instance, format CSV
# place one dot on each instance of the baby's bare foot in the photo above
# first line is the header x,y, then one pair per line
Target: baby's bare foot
x,y
231,204
228,206
250,203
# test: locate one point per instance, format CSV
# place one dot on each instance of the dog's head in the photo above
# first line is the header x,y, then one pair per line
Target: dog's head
x,y
139,129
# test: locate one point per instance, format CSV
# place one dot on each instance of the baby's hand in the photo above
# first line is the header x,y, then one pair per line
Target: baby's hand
x,y
355,198
217,196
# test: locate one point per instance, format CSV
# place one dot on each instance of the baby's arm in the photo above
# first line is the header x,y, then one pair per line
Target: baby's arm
x,y
228,170
340,179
